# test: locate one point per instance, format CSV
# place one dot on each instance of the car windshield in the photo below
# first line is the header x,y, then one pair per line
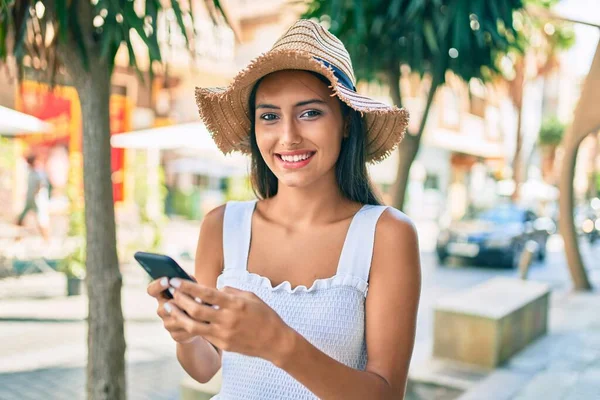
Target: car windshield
x,y
502,215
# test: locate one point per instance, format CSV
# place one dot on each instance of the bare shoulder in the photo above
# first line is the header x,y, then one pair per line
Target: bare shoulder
x,y
213,220
211,232
394,226
209,251
396,248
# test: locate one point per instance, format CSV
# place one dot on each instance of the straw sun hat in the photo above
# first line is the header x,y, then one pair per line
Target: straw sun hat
x,y
305,46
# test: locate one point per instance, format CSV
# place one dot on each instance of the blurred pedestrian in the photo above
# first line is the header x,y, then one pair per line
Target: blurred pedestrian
x,y
37,199
280,301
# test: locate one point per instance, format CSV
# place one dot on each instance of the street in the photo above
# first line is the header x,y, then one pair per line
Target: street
x,y
43,340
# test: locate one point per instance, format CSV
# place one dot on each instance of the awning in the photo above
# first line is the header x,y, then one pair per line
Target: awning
x,y
193,141
182,136
464,143
236,166
14,123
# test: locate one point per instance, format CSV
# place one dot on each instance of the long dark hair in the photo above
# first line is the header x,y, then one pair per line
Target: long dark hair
x,y
351,172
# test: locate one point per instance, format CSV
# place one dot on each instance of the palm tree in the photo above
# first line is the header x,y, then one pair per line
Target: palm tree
x,y
541,42
84,37
431,37
574,133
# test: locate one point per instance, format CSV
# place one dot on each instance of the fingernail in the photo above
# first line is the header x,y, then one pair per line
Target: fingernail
x,y
175,282
168,308
198,300
172,291
164,282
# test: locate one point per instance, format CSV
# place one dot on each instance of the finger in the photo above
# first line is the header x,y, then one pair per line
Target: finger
x,y
185,322
172,325
178,334
199,312
161,311
206,294
156,287
233,291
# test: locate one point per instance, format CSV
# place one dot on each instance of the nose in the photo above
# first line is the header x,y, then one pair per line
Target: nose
x,y
290,136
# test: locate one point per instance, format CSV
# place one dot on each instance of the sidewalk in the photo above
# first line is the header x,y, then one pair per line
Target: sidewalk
x,y
43,340
564,364
46,299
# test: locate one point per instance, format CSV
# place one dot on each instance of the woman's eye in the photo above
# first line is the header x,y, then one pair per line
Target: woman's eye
x,y
268,117
311,113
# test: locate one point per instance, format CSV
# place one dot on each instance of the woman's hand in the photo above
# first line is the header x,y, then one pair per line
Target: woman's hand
x,y
237,321
178,332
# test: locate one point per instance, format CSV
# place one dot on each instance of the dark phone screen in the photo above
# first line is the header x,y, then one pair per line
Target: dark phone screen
x,y
159,265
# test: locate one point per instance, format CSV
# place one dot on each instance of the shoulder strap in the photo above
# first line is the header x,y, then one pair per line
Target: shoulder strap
x,y
237,229
358,248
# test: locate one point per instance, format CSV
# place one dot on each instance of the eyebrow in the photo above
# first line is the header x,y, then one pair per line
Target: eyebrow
x,y
299,104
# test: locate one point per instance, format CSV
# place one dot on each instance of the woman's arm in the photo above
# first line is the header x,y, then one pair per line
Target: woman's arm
x,y
200,359
391,311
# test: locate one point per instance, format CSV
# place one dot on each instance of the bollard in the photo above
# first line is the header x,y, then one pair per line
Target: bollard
x,y
526,258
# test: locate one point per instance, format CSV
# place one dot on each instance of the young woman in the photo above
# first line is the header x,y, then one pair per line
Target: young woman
x,y
281,300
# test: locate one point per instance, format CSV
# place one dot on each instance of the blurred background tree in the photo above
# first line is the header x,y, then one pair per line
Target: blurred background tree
x,y
550,135
535,56
84,37
431,37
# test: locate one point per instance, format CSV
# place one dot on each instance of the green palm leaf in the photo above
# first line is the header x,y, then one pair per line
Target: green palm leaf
x,y
421,32
77,26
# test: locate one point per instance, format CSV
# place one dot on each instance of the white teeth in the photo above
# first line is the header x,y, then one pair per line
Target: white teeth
x,y
295,158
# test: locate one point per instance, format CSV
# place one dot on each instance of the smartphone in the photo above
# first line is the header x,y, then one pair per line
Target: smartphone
x,y
160,265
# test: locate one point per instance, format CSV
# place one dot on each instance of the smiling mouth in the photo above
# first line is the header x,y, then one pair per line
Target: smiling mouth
x,y
296,158
295,161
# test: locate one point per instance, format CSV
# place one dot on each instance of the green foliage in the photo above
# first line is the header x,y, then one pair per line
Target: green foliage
x,y
95,28
431,36
146,233
187,203
9,153
551,132
156,223
73,265
541,36
560,35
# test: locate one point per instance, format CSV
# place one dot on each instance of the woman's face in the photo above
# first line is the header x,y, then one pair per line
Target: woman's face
x,y
299,127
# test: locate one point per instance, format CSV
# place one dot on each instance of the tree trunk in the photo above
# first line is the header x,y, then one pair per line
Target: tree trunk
x,y
548,153
409,149
106,340
566,221
516,164
408,152
592,180
516,87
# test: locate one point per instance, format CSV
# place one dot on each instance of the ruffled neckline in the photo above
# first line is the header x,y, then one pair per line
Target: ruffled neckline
x,y
318,285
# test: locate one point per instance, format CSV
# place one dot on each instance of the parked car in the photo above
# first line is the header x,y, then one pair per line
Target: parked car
x,y
496,236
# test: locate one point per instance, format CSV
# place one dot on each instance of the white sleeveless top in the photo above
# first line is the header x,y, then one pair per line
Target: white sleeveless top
x,y
330,314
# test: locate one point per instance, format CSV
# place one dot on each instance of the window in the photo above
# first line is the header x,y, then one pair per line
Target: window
x,y
432,182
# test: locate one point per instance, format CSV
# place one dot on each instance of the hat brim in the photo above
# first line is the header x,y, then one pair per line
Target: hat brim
x,y
225,110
